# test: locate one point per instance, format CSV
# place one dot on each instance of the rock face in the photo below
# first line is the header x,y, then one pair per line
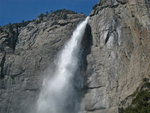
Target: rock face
x,y
119,56
116,55
26,50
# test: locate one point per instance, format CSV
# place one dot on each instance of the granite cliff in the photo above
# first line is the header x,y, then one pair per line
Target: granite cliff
x,y
27,50
116,55
119,57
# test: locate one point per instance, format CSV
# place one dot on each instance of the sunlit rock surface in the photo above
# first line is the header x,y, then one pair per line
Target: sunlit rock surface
x,y
116,55
26,51
120,53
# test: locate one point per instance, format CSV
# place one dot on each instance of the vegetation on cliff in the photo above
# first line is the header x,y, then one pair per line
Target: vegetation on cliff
x,y
141,99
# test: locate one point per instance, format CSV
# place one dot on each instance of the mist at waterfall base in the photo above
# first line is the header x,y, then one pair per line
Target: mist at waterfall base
x,y
58,94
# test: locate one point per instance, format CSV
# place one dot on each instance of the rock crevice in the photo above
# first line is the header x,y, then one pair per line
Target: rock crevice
x,y
113,61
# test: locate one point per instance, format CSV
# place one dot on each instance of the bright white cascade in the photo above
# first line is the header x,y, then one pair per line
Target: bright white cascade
x,y
57,94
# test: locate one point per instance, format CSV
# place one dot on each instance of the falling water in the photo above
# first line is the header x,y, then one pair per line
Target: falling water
x,y
58,94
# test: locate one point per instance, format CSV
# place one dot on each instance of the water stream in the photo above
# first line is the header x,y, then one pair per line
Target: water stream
x,y
58,94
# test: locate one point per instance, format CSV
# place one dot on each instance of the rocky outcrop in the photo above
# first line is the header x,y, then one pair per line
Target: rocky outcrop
x,y
115,56
26,50
119,57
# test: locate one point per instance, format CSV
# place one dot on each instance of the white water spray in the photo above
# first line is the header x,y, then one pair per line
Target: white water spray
x,y
58,94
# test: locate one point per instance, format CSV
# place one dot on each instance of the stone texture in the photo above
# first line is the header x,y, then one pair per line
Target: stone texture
x,y
119,56
26,50
115,57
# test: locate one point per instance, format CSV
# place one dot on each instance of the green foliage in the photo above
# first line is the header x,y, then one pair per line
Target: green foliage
x,y
23,21
46,12
41,15
145,79
146,85
141,103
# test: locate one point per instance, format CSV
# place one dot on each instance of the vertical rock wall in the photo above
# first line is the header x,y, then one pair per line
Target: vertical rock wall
x,y
120,53
27,52
115,57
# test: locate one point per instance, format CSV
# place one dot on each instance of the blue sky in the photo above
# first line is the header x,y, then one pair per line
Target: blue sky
x,y
12,11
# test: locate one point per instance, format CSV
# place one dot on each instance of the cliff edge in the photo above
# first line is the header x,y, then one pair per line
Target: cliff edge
x,y
115,64
26,51
119,57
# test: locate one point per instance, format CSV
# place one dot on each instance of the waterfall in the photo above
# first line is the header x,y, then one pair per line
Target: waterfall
x,y
58,94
